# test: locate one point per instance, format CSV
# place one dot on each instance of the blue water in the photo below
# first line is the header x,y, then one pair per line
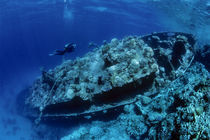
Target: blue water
x,y
30,30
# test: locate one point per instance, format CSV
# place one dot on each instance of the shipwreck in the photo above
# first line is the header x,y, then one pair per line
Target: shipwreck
x,y
112,76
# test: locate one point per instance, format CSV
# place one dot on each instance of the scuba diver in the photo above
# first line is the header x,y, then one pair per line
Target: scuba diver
x,y
67,49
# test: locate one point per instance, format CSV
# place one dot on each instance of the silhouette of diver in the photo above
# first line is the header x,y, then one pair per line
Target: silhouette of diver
x,y
67,49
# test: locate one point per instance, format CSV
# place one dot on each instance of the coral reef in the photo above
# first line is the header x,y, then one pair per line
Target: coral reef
x,y
151,82
179,111
124,64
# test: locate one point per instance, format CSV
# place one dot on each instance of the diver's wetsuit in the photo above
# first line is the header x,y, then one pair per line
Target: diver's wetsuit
x,y
67,49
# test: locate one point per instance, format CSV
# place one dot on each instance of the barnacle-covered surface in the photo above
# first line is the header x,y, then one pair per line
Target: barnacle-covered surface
x,y
113,75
